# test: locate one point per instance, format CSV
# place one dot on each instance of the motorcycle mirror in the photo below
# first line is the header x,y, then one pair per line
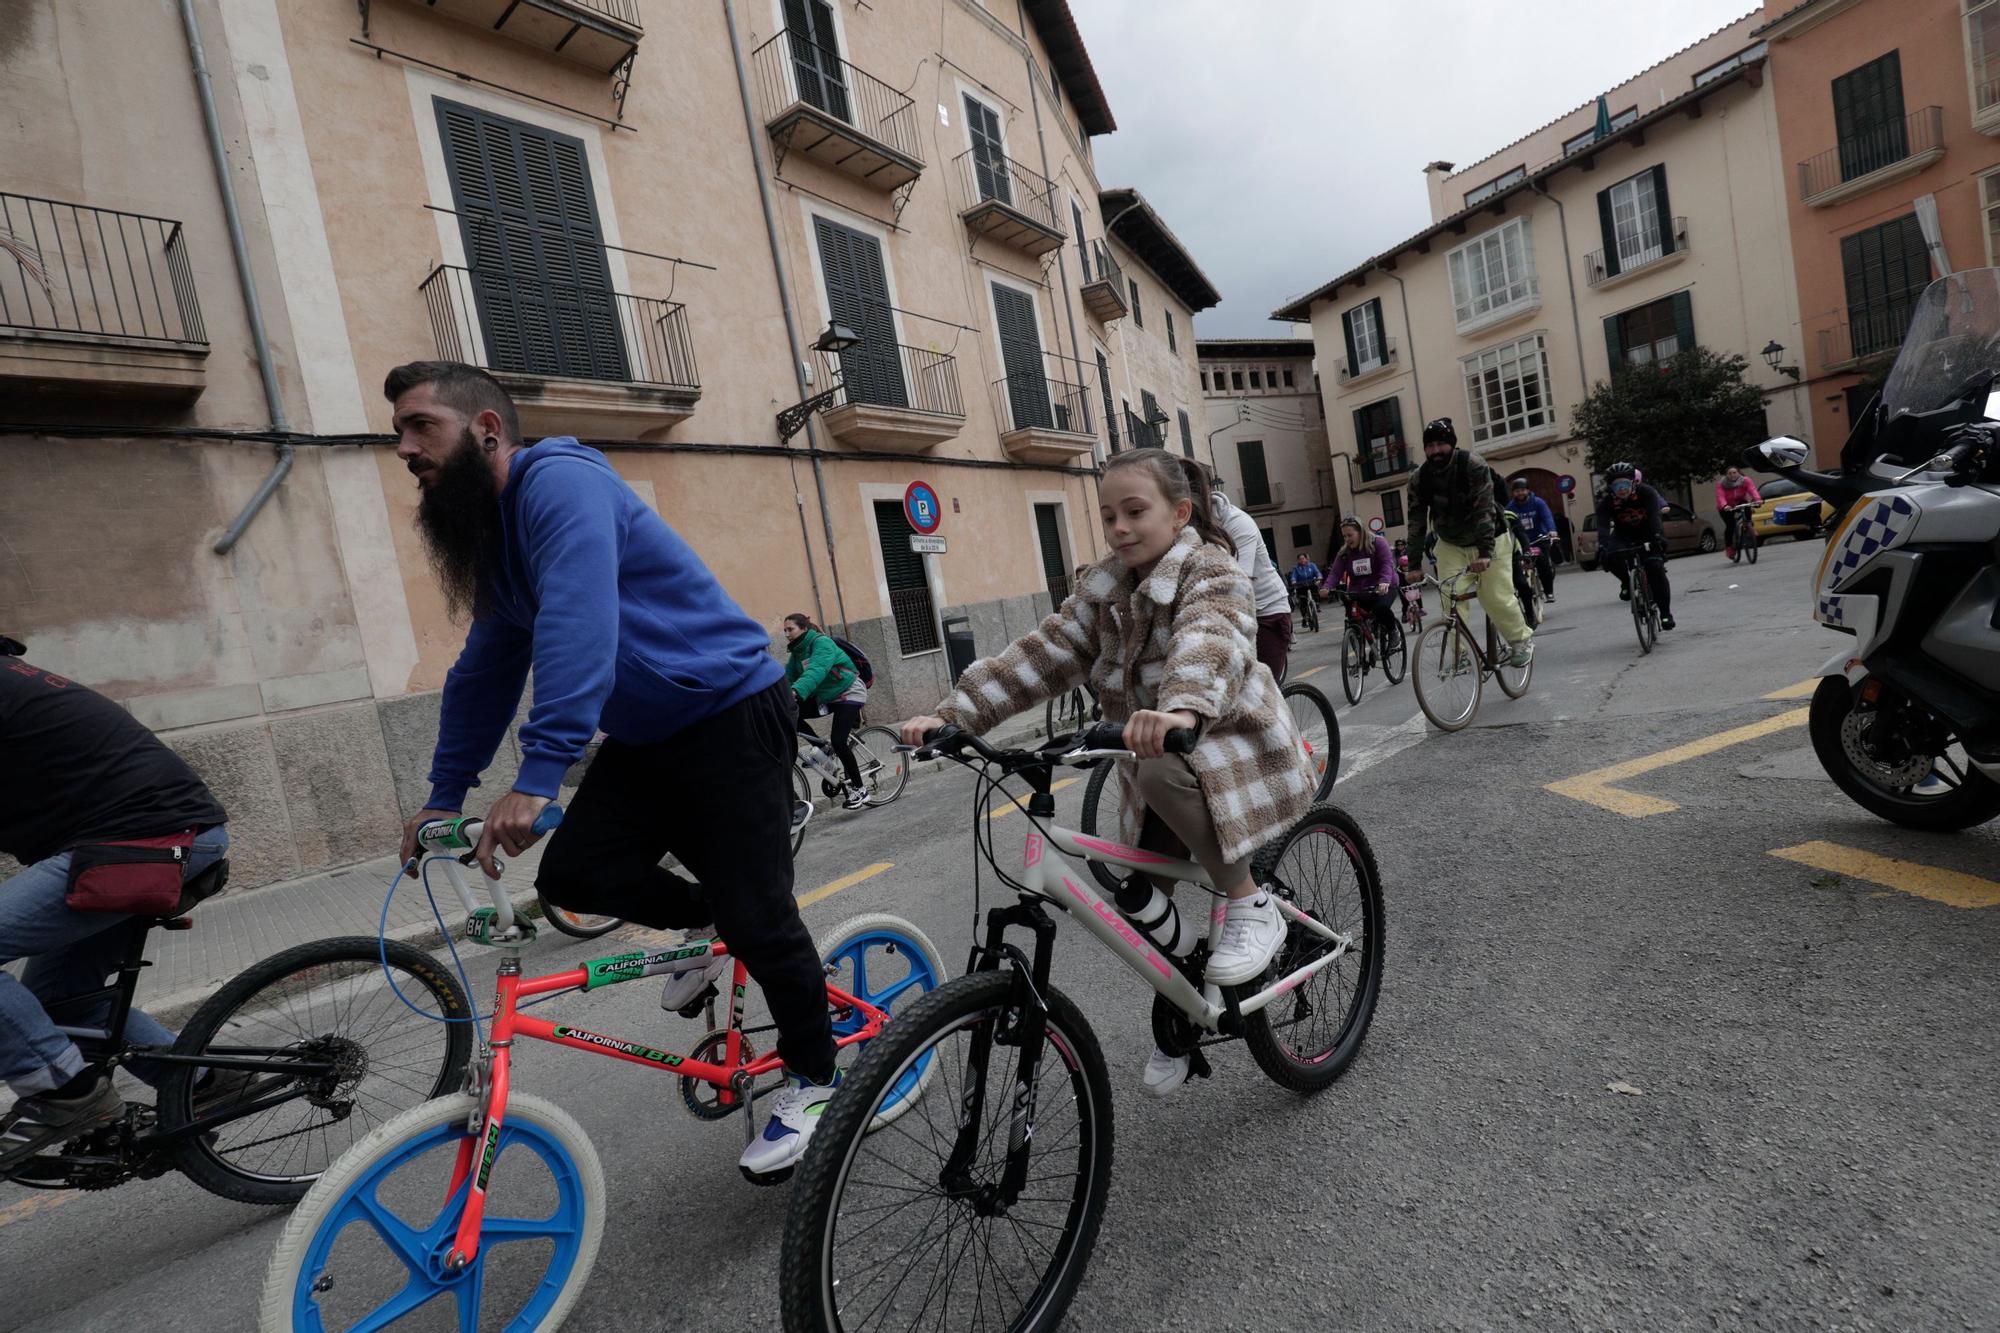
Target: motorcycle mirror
x,y
1781,452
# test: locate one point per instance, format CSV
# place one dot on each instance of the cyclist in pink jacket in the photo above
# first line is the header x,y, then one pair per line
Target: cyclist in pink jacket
x,y
1733,489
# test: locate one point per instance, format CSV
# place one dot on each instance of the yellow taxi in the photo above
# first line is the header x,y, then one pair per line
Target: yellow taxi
x,y
1804,514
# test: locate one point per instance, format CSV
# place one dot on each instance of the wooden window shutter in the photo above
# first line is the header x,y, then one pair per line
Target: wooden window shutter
x,y
1610,230
1614,343
1347,334
1665,209
1683,320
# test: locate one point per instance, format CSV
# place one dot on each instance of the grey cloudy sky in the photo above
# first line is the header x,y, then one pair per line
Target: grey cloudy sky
x,y
1284,140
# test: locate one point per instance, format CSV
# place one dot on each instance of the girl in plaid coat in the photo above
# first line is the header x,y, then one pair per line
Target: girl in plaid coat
x,y
1164,631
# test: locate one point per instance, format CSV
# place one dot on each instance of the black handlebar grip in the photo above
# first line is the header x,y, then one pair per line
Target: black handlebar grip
x,y
1181,740
1104,736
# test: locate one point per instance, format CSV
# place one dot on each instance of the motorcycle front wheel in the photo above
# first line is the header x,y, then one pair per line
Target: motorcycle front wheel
x,y
1947,796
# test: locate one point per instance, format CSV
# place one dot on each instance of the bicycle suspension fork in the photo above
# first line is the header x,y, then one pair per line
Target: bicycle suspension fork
x,y
1022,1025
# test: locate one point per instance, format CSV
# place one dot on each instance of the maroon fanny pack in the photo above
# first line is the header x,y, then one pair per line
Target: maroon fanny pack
x,y
139,876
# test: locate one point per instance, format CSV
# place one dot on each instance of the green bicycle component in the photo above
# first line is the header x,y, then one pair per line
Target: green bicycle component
x,y
482,927
448,835
638,963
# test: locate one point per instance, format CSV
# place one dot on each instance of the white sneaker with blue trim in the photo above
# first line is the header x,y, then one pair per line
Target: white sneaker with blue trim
x,y
795,1113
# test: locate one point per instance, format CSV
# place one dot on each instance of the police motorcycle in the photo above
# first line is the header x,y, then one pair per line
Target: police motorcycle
x,y
1907,718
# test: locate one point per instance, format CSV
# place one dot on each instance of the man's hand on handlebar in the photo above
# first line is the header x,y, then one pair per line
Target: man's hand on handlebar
x,y
914,731
418,820
1146,730
509,828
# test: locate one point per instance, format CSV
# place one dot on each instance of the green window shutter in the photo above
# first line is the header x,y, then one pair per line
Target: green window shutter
x,y
910,598
1683,320
1614,346
1666,212
1347,334
1104,391
1187,433
1021,354
1610,231
857,295
1256,480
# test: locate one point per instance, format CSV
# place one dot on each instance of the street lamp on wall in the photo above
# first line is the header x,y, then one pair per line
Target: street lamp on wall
x,y
1774,351
836,339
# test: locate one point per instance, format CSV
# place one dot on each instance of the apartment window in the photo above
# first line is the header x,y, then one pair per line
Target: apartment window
x,y
1886,268
816,69
1652,333
1104,392
1082,247
1378,438
1982,51
1138,315
1187,432
1172,344
1302,534
1288,380
1256,379
1361,328
1507,389
1494,186
910,603
1155,420
1392,509
1589,136
1989,204
1204,381
1633,218
1492,275
1868,117
1236,380
1055,565
1256,481
857,295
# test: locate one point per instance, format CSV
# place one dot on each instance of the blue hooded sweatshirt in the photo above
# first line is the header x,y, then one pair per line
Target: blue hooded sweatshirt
x,y
626,629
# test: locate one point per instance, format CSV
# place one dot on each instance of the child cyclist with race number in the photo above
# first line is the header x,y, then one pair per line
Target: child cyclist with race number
x,y
1164,630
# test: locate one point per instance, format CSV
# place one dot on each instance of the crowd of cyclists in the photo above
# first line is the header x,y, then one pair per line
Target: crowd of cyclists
x,y
564,570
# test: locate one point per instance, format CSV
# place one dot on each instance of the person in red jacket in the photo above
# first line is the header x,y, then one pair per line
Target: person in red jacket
x,y
1734,489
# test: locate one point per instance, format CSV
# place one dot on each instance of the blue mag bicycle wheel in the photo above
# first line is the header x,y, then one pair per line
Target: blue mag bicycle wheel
x,y
891,964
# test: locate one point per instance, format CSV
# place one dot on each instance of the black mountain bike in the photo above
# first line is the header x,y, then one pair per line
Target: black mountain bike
x,y
276,1076
1645,612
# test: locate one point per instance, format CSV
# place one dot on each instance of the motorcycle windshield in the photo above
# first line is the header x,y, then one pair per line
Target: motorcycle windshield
x,y
1954,335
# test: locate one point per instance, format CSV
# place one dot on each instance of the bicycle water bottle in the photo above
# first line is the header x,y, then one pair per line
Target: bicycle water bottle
x,y
1154,913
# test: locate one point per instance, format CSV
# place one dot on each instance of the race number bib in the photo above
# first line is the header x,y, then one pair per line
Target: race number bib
x,y
1363,566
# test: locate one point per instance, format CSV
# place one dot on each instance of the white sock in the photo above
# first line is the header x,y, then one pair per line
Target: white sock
x,y
1257,899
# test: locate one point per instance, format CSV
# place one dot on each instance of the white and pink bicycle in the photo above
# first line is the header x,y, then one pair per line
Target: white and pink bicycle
x,y
980,1208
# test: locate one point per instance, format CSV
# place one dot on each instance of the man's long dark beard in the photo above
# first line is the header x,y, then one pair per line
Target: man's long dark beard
x,y
459,519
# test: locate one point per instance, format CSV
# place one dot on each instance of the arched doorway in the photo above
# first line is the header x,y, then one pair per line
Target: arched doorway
x,y
1543,483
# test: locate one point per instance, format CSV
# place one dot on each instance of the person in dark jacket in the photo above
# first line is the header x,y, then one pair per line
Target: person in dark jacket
x,y
1533,519
79,771
565,569
1628,525
826,681
1455,492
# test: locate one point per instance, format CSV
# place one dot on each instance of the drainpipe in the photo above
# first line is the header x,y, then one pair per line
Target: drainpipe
x,y
791,322
1409,336
253,308
1569,276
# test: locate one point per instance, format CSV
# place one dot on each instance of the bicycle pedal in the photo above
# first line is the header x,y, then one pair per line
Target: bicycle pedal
x,y
778,1177
693,1008
1198,1066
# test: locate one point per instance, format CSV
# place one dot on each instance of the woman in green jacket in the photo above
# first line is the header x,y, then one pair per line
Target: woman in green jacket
x,y
825,680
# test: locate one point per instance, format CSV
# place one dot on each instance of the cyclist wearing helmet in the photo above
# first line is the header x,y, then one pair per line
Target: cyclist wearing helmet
x,y
1534,523
1455,490
1365,569
1628,520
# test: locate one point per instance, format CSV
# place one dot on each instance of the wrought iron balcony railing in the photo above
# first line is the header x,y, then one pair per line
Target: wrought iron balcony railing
x,y
1009,201
915,379
1031,401
1919,135
1597,271
503,323
793,72
1867,331
1360,369
97,273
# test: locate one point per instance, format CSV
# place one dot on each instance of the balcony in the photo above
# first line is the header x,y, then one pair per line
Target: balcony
x,y
1361,371
1270,496
1866,334
1597,270
1381,469
1886,153
1011,203
1986,106
903,403
1104,294
816,104
1043,420
598,34
95,300
1141,435
578,360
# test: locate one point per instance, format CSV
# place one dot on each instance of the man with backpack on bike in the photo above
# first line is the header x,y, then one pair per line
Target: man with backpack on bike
x,y
1628,520
1455,491
564,568
1537,526
90,802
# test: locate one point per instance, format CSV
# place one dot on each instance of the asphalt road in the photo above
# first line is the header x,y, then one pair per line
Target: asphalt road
x,y
1810,1142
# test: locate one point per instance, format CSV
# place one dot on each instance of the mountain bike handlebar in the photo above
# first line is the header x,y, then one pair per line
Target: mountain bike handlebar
x,y
953,742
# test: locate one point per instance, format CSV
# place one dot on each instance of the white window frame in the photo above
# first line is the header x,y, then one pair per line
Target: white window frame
x,y
966,90
1972,9
1989,206
1504,294
1356,318
1531,351
810,208
1481,193
1639,224
1577,143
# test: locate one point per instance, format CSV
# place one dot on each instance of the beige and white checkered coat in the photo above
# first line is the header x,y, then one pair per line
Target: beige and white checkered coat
x,y
1183,637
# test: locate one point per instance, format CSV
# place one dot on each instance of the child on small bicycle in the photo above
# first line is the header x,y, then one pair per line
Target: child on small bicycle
x,y
1164,631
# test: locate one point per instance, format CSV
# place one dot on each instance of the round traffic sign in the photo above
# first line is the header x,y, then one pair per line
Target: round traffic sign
x,y
1565,483
920,506
1375,524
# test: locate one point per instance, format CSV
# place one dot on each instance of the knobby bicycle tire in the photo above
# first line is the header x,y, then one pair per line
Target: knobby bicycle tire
x,y
1353,665
1324,749
810,1255
336,1012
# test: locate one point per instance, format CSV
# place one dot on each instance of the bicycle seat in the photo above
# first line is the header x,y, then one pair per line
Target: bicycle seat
x,y
199,889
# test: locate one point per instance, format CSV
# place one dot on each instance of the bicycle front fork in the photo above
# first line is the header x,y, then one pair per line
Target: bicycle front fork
x,y
1022,1024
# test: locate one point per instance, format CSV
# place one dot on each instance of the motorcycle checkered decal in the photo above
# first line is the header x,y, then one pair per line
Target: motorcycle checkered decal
x,y
1887,524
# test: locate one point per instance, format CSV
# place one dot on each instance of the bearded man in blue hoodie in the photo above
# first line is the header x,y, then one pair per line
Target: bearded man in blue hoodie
x,y
564,568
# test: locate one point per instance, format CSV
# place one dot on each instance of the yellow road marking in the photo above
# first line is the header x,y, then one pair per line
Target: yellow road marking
x,y
1803,690
23,1209
1303,674
1012,806
1594,787
1953,888
826,891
